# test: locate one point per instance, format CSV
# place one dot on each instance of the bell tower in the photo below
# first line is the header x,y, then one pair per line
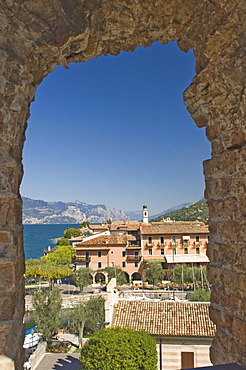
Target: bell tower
x,y
145,214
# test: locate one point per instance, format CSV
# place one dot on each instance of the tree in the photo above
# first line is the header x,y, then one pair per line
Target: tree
x,y
43,269
118,273
84,224
182,274
89,316
47,303
71,233
199,295
86,233
83,277
119,349
62,255
200,273
95,313
63,241
154,273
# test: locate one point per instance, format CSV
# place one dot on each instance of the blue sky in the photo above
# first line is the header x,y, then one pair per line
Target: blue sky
x,y
114,130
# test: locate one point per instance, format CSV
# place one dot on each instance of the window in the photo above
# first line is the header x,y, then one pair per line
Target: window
x,y
87,264
197,239
112,252
174,251
99,254
123,253
198,264
150,252
162,251
99,265
112,264
173,239
185,250
162,239
87,254
123,264
149,240
186,239
197,250
136,264
136,253
187,360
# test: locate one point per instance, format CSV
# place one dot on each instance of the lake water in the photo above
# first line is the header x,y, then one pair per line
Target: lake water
x,y
39,237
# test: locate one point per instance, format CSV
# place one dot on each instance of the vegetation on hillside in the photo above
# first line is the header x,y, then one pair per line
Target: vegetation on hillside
x,y
195,212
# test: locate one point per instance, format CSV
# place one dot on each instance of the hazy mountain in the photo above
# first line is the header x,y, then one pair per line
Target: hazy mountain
x,y
195,212
41,212
134,215
172,209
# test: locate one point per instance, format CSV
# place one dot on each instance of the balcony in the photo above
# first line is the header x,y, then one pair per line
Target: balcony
x,y
183,244
173,245
133,258
149,245
81,259
196,244
161,245
133,246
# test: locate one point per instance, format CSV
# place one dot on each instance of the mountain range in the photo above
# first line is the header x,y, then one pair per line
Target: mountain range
x,y
194,212
42,212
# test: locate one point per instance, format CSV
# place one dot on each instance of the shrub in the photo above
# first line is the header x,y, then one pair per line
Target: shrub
x,y
119,348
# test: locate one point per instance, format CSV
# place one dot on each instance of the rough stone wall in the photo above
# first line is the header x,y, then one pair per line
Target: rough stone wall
x,y
37,35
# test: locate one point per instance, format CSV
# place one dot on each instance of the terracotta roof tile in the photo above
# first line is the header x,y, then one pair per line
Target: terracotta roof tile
x,y
174,228
105,239
165,318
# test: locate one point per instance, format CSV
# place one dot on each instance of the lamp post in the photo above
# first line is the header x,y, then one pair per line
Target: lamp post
x,y
173,277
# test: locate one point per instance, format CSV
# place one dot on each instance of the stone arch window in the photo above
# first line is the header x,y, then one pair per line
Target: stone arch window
x,y
38,35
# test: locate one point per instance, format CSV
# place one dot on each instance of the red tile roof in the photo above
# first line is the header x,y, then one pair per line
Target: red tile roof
x,y
105,239
124,225
174,228
165,318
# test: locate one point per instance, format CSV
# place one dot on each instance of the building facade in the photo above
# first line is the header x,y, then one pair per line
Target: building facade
x,y
131,245
183,330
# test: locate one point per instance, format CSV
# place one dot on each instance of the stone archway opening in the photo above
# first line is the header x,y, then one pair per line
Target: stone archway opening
x,y
39,35
58,127
100,278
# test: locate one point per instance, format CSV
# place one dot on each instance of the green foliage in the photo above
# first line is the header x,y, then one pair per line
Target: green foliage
x,y
86,233
119,349
84,224
63,241
199,295
71,233
63,255
118,273
195,212
87,315
154,272
83,277
44,269
94,313
182,274
47,303
90,313
200,274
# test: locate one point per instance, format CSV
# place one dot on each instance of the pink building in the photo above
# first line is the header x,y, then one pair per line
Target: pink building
x,y
130,244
